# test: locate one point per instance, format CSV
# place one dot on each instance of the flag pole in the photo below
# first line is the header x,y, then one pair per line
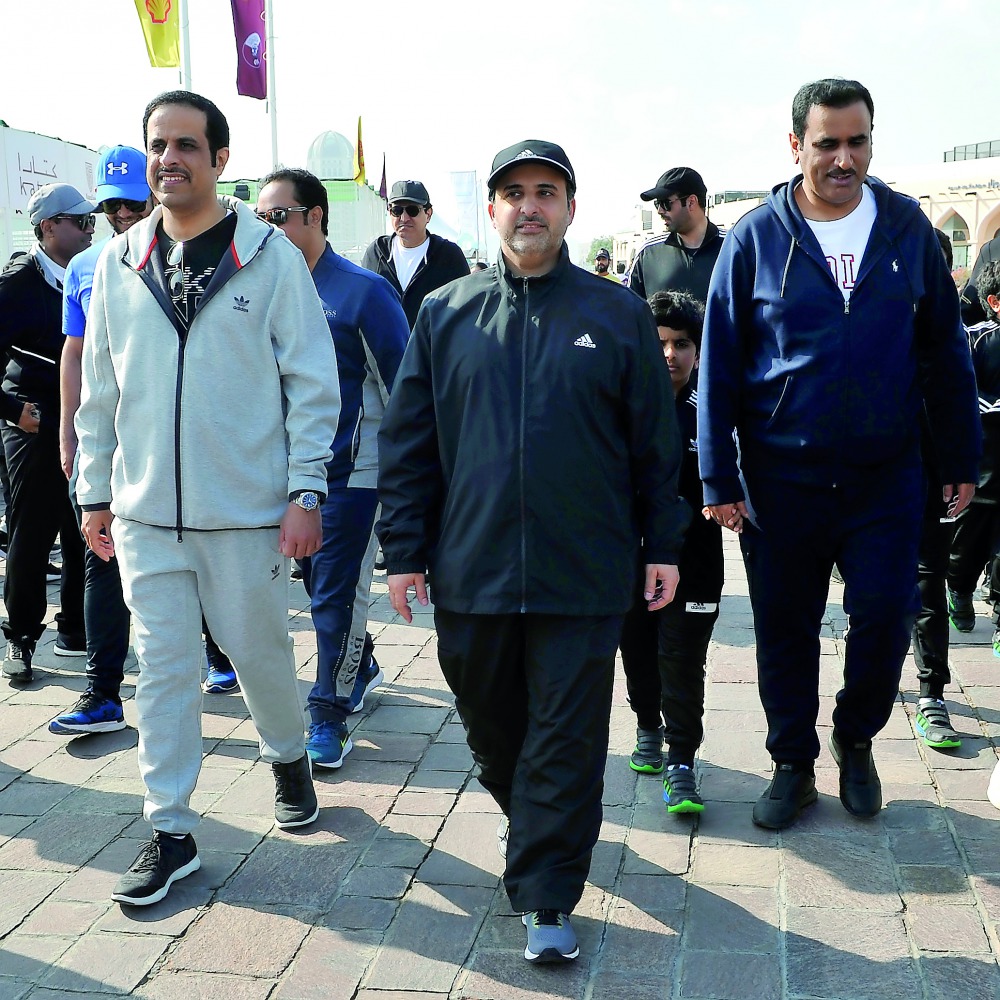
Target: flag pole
x,y
272,104
185,39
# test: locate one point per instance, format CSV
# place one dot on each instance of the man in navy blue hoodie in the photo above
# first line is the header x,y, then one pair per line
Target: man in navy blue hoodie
x,y
831,321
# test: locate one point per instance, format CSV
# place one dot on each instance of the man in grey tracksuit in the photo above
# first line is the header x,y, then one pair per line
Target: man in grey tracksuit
x,y
209,402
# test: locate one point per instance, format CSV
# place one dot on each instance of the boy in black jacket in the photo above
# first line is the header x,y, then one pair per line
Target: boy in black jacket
x,y
664,653
977,533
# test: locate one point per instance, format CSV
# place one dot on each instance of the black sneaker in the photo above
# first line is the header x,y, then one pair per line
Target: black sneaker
x,y
70,644
647,757
934,725
792,788
680,791
860,787
960,611
17,661
161,862
294,796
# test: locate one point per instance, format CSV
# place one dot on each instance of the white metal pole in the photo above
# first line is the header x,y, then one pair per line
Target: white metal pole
x,y
185,33
272,104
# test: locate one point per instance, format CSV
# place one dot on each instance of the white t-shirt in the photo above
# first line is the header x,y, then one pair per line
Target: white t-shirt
x,y
406,260
843,241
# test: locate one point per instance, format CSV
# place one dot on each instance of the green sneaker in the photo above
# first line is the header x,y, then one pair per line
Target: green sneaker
x,y
679,791
996,642
934,725
647,757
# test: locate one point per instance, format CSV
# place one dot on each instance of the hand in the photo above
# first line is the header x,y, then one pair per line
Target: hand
x,y
729,515
28,420
96,527
399,585
958,496
301,532
67,452
661,585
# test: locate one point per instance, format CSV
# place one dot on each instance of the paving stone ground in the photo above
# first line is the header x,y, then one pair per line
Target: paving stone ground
x,y
394,894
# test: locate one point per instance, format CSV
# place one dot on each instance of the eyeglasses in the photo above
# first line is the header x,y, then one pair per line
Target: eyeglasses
x,y
279,216
111,205
664,206
411,210
83,221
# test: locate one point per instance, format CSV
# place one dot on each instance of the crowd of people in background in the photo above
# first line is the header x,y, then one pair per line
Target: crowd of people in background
x,y
552,454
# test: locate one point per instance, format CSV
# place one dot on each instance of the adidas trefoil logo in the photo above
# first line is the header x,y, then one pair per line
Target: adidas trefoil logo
x,y
585,341
241,304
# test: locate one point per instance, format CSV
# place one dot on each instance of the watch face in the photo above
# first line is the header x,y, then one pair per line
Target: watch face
x,y
307,501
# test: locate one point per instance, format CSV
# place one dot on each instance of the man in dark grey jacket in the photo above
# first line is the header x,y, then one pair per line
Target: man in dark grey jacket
x,y
529,442
413,260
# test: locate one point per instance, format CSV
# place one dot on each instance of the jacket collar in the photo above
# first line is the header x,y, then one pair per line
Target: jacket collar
x,y
541,280
251,234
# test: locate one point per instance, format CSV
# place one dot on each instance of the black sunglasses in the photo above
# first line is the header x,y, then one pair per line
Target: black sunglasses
x,y
411,210
278,216
660,203
83,221
111,205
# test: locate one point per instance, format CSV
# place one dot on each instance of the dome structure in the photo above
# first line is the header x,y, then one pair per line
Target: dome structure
x,y
331,156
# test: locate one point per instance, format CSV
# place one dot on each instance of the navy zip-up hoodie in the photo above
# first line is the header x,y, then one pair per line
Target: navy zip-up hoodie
x,y
818,390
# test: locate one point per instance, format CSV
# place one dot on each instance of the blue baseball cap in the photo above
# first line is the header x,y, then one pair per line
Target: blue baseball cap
x,y
122,174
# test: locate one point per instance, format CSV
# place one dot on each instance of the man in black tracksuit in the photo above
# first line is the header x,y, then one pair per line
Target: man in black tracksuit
x,y
529,443
31,343
413,260
683,258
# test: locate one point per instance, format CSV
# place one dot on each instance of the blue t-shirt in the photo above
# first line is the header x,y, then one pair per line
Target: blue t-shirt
x,y
77,283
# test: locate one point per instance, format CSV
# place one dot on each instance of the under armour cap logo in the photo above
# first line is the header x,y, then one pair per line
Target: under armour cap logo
x,y
121,168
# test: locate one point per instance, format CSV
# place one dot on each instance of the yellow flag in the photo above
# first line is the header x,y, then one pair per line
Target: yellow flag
x,y
160,20
359,159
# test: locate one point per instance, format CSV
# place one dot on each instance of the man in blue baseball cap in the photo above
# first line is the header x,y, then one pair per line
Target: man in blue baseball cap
x,y
123,197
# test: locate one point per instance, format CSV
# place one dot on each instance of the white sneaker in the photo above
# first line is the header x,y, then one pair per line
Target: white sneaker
x,y
993,792
503,832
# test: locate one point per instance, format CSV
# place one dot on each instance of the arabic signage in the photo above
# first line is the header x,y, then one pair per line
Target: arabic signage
x,y
33,160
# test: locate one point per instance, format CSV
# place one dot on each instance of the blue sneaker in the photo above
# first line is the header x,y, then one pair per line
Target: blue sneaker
x,y
550,937
367,680
91,714
328,743
221,674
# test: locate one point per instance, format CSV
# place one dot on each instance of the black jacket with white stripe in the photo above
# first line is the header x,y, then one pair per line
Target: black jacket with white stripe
x,y
664,265
31,340
984,338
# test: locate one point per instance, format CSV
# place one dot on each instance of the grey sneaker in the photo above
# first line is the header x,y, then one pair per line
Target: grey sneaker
x,y
17,661
647,757
550,937
294,796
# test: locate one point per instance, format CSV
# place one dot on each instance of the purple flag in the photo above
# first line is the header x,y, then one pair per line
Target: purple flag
x,y
248,25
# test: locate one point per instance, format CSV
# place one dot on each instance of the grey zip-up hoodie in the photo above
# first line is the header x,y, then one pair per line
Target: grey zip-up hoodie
x,y
213,431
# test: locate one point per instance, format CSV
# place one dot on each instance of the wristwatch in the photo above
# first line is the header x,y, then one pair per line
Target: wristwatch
x,y
306,499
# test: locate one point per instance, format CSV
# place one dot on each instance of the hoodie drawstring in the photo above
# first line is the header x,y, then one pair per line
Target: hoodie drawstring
x,y
788,264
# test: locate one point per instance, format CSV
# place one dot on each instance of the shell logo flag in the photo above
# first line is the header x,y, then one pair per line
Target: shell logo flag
x,y
160,22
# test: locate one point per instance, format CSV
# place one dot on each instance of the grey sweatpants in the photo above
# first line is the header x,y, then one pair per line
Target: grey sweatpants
x,y
239,580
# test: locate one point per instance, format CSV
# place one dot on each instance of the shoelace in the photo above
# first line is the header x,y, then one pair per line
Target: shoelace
x,y
149,860
547,918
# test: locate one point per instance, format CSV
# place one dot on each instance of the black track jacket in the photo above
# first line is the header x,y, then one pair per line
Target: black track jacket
x,y
530,440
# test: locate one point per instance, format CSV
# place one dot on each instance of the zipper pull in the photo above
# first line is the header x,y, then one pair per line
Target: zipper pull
x,y
847,307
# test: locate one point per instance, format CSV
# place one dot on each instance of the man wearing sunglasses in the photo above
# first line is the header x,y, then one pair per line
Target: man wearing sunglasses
x,y
369,332
682,259
40,508
414,261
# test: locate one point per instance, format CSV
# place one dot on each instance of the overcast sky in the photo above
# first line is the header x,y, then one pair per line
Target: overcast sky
x,y
628,88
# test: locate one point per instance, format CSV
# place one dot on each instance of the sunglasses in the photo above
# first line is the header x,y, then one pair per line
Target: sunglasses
x,y
411,210
111,205
83,221
660,203
278,216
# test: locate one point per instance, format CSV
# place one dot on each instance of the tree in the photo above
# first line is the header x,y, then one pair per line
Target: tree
x,y
608,242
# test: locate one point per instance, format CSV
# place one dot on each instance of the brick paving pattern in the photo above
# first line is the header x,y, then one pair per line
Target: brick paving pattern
x,y
394,893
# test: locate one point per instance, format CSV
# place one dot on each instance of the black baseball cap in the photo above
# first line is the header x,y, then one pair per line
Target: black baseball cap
x,y
677,180
531,151
409,191
603,253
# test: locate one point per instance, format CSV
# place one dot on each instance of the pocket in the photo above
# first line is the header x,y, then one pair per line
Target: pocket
x,y
782,404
